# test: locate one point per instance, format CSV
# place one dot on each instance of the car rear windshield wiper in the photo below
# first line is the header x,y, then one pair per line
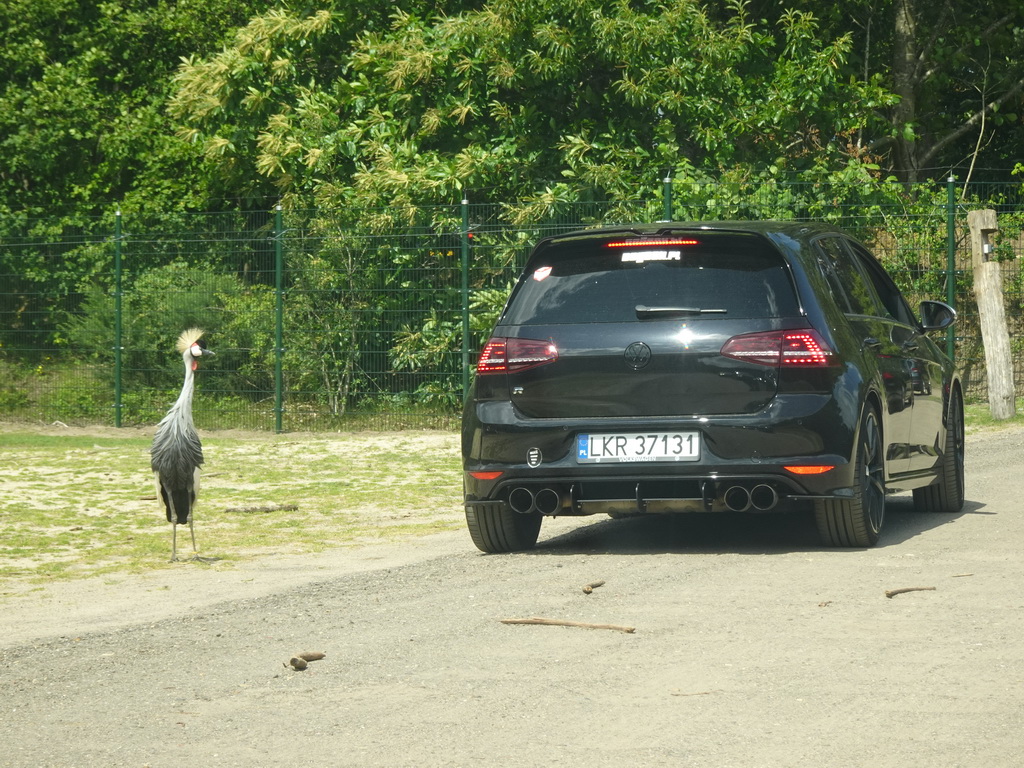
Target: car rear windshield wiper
x,y
644,311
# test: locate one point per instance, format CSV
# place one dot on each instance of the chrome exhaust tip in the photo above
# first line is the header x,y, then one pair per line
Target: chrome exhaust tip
x,y
521,500
763,497
737,499
547,501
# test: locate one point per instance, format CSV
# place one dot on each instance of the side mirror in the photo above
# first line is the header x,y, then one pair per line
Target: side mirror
x,y
936,315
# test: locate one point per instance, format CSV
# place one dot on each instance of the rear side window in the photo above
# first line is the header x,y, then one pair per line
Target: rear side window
x,y
893,301
701,274
851,290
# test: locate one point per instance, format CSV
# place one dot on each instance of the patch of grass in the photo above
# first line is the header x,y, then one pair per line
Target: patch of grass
x,y
83,503
978,416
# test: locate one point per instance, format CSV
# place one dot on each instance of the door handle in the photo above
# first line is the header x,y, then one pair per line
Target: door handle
x,y
872,343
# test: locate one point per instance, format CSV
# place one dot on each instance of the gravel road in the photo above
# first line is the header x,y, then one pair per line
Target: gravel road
x,y
752,646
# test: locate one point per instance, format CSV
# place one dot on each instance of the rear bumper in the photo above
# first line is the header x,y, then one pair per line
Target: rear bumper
x,y
737,492
741,466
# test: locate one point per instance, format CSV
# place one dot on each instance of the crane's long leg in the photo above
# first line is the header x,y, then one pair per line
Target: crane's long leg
x,y
169,500
195,550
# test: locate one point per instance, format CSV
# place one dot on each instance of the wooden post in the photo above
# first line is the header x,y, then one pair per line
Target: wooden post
x,y
988,290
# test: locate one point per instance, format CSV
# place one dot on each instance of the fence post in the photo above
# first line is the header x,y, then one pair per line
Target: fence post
x,y
988,288
666,195
465,297
118,319
950,261
278,321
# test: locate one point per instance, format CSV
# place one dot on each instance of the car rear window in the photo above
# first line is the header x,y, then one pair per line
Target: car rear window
x,y
702,274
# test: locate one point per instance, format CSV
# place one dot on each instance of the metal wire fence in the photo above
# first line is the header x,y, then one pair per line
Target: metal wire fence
x,y
372,319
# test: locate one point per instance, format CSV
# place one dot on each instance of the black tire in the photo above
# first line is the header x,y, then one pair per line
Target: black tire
x,y
947,495
496,528
857,522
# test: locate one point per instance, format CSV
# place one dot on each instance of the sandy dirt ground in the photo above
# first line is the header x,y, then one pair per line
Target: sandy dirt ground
x,y
752,646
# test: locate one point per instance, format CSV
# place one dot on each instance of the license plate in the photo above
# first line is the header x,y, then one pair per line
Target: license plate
x,y
647,446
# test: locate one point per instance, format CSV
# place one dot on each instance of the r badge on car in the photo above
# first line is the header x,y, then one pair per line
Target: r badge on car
x,y
637,355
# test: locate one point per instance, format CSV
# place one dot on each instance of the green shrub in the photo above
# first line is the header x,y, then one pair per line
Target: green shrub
x,y
156,308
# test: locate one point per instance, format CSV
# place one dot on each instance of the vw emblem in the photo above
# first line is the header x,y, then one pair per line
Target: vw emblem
x,y
637,355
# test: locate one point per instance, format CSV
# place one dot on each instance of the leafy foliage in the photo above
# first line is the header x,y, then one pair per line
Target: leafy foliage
x,y
524,99
81,104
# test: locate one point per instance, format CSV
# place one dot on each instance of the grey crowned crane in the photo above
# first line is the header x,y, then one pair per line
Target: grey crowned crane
x,y
177,453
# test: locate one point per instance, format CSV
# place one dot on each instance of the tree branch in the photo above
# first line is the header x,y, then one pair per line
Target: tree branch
x,y
924,52
882,144
995,25
973,120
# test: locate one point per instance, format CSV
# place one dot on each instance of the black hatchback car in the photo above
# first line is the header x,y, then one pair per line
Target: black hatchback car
x,y
709,367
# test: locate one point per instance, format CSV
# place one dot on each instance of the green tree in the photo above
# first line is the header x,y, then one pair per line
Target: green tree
x,y
957,69
267,109
522,98
82,118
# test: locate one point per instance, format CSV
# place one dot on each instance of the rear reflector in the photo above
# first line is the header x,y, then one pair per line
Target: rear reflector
x,y
513,355
810,470
788,349
486,475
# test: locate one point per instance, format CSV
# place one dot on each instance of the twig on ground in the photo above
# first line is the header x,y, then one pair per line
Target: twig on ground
x,y
264,509
565,623
892,592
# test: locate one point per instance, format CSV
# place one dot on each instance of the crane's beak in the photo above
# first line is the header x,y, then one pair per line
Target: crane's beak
x,y
200,351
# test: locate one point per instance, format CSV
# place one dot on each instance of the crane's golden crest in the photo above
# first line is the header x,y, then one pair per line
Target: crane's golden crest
x,y
188,338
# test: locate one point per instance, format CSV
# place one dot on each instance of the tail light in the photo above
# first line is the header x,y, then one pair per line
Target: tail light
x,y
786,349
513,355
